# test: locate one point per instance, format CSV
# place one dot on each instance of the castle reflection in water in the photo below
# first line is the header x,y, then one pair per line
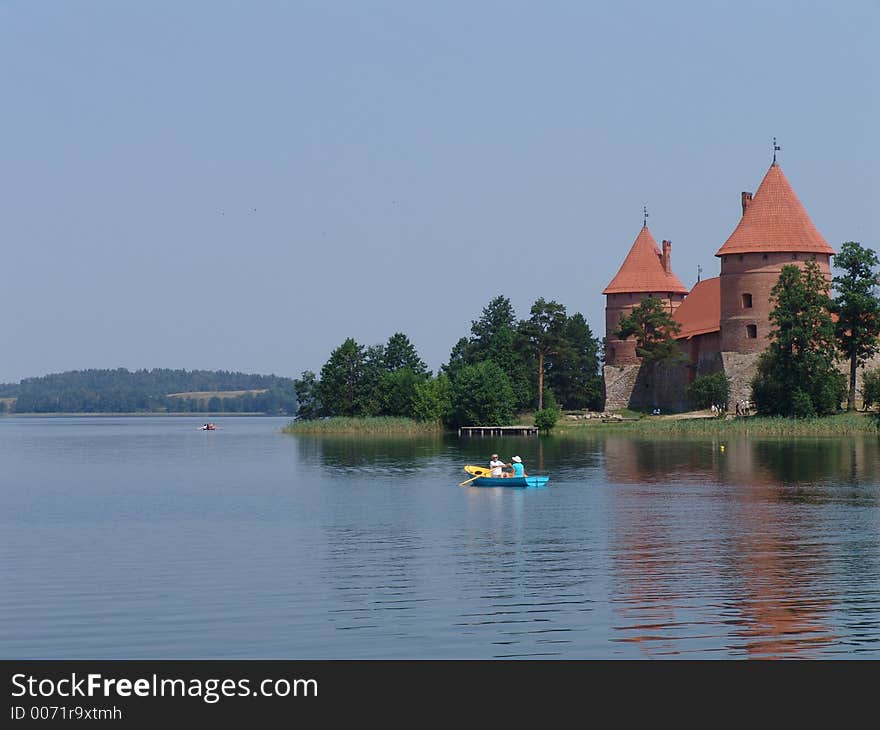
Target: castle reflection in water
x,y
775,559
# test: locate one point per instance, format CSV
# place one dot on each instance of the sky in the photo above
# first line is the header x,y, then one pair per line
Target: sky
x,y
244,185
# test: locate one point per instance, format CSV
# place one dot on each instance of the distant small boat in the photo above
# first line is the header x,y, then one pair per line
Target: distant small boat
x,y
208,427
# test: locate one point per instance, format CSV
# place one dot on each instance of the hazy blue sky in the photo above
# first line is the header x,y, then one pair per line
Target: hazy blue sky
x,y
243,185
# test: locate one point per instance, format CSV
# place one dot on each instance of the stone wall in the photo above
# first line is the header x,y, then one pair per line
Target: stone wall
x,y
643,387
662,386
740,367
872,364
618,383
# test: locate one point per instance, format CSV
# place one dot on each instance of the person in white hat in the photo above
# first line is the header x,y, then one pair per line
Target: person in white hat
x,y
518,469
496,465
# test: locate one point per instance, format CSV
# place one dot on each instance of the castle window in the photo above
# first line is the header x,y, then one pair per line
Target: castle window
x,y
765,257
751,331
740,257
747,301
794,257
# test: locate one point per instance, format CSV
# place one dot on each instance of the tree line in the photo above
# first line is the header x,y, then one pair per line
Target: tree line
x,y
506,366
812,332
148,391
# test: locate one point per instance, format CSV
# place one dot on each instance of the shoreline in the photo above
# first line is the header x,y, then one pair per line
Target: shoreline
x,y
213,414
696,425
693,425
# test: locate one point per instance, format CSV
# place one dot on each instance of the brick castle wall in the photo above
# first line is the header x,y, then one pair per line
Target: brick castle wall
x,y
746,281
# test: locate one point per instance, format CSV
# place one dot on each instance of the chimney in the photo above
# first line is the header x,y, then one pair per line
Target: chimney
x,y
667,256
746,201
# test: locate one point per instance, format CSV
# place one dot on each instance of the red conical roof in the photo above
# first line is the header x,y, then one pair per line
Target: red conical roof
x,y
774,221
642,270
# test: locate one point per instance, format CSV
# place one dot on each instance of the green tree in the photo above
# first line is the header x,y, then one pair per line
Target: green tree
x,y
340,389
506,350
481,395
857,308
401,353
371,397
462,354
433,399
546,419
706,390
871,388
494,336
308,403
398,392
497,316
574,376
796,374
654,329
543,333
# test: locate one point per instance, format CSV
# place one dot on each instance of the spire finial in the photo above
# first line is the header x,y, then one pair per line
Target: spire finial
x,y
699,273
776,148
645,215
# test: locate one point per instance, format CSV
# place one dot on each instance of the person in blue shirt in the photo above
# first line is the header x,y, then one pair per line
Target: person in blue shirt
x,y
518,469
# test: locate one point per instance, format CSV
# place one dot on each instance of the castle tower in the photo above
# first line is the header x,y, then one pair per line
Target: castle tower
x,y
646,272
774,230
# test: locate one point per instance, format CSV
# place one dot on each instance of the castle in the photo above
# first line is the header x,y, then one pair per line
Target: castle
x,y
725,320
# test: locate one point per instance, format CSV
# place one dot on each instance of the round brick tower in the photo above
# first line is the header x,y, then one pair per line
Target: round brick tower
x,y
774,231
646,272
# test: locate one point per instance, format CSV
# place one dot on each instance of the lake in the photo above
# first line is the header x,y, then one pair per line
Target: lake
x,y
144,537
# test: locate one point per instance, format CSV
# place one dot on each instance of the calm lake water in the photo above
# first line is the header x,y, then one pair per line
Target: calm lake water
x,y
147,538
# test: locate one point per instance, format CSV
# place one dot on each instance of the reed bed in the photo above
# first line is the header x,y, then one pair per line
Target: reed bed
x,y
843,424
375,426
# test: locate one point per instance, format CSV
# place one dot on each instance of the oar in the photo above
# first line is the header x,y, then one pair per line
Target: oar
x,y
468,481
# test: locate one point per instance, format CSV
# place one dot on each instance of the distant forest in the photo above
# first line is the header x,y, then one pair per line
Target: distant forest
x,y
149,391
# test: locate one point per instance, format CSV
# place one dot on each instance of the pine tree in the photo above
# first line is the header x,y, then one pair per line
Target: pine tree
x,y
543,331
857,308
340,389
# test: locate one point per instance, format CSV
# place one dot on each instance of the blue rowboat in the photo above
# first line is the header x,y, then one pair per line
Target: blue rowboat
x,y
533,482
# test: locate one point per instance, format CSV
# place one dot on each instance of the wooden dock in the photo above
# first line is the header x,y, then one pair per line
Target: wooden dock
x,y
498,431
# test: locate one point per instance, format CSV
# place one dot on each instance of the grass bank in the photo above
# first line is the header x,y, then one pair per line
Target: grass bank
x,y
378,426
842,424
